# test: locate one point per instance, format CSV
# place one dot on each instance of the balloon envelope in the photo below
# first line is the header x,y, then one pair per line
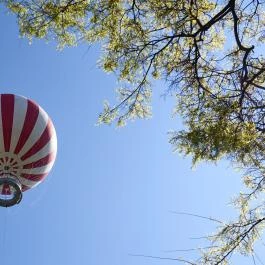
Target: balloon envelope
x,y
28,142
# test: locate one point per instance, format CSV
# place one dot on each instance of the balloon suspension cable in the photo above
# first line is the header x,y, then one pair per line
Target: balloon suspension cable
x,y
10,190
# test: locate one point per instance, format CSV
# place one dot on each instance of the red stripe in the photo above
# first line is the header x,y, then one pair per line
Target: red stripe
x,y
41,162
34,177
43,140
24,188
29,123
7,109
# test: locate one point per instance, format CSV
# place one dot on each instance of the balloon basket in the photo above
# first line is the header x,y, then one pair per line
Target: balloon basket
x,y
10,191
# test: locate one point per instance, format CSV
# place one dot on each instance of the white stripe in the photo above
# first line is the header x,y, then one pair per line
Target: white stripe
x,y
2,148
20,110
37,131
50,147
38,170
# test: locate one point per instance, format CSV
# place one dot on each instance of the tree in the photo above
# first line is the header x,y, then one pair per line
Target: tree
x,y
209,52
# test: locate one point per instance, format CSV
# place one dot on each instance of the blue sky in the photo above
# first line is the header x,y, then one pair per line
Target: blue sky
x,y
111,190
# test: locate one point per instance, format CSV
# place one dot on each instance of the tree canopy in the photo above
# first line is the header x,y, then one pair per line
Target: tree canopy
x,y
209,52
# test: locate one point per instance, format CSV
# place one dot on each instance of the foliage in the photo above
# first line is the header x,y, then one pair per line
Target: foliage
x,y
209,51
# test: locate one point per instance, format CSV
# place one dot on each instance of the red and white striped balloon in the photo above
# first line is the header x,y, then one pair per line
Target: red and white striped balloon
x,y
28,142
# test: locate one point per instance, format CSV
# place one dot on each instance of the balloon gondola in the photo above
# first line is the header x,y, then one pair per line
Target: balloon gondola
x,y
28,147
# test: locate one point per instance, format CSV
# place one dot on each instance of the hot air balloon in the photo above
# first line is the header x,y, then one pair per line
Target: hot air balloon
x,y
28,147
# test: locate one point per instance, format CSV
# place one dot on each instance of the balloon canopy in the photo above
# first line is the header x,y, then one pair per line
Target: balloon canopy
x,y
28,147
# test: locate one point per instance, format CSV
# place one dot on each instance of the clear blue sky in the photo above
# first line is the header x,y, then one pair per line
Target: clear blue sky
x,y
111,190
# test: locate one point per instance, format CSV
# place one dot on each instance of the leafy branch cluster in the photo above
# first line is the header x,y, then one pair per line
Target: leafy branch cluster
x,y
209,52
